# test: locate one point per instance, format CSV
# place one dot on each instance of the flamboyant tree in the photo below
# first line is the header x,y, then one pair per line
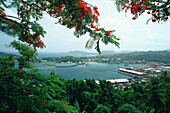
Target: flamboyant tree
x,y
30,91
158,9
76,14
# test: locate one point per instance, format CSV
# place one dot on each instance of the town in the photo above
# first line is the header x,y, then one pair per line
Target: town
x,y
154,64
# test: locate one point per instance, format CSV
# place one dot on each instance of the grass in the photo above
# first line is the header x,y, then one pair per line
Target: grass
x,y
51,64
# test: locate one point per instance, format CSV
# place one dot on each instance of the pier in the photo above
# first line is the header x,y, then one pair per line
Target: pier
x,y
130,72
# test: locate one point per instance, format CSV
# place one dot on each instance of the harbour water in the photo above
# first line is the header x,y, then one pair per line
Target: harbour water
x,y
97,71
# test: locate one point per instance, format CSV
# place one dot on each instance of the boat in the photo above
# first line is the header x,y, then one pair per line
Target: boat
x,y
65,64
125,64
88,63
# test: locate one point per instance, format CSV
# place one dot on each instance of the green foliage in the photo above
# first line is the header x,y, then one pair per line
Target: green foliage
x,y
149,56
28,54
24,89
30,91
158,9
70,13
7,62
128,108
102,109
158,92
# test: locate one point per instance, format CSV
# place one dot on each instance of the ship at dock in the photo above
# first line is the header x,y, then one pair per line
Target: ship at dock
x,y
65,64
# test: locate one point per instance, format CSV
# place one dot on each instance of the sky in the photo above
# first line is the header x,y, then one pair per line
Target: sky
x,y
135,35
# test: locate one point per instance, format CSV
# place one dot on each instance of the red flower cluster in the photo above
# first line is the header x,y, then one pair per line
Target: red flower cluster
x,y
25,93
22,73
29,89
13,26
45,101
153,20
37,42
96,11
58,9
96,28
155,15
137,8
85,11
108,33
30,76
65,105
144,6
83,7
2,12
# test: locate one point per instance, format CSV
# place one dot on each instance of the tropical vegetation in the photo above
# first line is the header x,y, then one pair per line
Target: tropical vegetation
x,y
24,89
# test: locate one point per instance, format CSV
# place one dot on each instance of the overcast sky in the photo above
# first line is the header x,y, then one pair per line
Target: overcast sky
x,y
134,34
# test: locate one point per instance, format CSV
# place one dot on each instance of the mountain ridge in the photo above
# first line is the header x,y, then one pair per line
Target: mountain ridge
x,y
84,53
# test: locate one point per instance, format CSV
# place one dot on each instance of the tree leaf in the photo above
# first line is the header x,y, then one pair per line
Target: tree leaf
x,y
90,43
97,47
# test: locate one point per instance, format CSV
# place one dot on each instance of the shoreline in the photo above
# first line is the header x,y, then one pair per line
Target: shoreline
x,y
54,64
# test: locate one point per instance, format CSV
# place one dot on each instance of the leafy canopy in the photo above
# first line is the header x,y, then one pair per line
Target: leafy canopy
x,y
76,14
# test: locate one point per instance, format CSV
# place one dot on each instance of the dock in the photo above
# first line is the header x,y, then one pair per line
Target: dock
x,y
125,73
130,72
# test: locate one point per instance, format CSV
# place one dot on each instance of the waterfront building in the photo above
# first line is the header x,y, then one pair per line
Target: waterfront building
x,y
115,81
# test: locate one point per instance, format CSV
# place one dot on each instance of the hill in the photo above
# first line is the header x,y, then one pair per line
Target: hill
x,y
3,54
150,56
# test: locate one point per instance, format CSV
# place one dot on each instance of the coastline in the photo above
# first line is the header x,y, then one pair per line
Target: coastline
x,y
61,65
50,64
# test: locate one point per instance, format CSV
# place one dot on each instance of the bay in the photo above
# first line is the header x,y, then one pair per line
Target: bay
x,y
97,71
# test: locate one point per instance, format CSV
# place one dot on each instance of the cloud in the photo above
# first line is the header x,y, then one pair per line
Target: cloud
x,y
10,12
137,35
134,34
116,23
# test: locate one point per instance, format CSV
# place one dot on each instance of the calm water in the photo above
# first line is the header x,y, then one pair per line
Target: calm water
x,y
95,71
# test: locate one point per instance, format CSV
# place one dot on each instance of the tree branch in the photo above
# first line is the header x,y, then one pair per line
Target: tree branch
x,y
14,21
148,20
13,17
